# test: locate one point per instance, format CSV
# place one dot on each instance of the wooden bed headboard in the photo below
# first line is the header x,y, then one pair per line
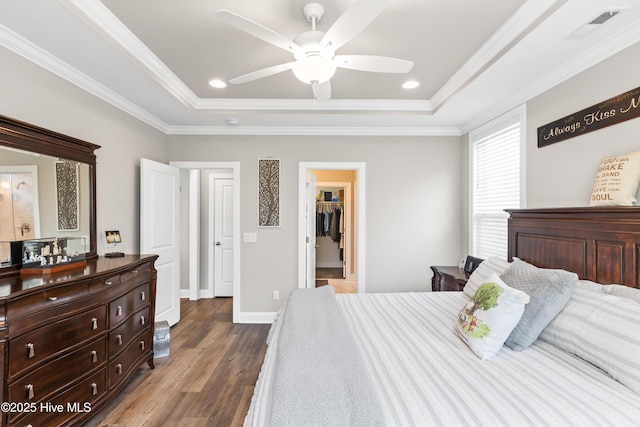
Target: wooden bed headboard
x,y
599,244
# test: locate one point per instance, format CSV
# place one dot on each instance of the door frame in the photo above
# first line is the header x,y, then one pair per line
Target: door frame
x,y
194,273
360,223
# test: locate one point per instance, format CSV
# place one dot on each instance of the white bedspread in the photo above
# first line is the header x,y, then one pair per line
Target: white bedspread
x,y
426,376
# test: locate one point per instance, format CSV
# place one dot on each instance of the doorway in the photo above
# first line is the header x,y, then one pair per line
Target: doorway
x,y
334,230
332,174
200,249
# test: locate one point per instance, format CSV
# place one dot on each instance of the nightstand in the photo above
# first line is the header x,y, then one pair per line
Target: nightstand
x,y
448,278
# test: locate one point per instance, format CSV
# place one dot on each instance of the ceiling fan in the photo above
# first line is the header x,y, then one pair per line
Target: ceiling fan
x,y
314,51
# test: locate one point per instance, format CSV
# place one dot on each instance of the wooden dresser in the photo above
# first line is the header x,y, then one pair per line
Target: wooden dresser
x,y
70,341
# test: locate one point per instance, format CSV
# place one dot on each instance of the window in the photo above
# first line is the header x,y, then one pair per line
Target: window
x,y
496,185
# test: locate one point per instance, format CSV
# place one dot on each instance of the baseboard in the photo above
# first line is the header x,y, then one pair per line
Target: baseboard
x,y
184,293
256,317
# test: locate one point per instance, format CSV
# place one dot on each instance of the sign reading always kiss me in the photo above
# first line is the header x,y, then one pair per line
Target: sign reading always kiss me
x,y
610,112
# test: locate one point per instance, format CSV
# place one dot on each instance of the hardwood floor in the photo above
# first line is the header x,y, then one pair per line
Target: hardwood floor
x,y
207,380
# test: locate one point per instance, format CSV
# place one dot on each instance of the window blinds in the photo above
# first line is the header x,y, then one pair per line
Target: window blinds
x,y
496,186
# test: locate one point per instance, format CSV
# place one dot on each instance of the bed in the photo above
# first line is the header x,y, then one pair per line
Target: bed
x,y
395,359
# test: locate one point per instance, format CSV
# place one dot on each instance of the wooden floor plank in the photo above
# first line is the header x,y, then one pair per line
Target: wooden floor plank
x,y
207,380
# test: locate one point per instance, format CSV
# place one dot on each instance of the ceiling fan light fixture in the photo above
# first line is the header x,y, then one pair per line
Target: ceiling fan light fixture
x,y
314,69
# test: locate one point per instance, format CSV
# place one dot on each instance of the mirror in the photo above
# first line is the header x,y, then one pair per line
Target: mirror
x,y
54,190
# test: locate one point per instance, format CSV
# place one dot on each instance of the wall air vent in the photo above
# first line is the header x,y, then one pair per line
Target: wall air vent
x,y
594,24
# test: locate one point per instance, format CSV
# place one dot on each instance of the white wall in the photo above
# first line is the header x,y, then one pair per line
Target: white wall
x,y
412,213
32,94
562,174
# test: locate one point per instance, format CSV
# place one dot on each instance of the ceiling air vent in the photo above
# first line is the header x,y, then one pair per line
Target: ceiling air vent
x,y
604,17
588,28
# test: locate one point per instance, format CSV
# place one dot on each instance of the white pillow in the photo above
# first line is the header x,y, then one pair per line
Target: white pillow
x,y
484,270
622,291
617,181
588,285
485,322
601,329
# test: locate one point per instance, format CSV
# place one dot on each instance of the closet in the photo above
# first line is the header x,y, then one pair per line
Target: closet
x,y
330,229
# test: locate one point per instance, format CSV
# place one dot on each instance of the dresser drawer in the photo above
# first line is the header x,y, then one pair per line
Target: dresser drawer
x,y
113,280
46,341
120,337
55,375
75,402
46,299
130,357
121,308
137,275
115,284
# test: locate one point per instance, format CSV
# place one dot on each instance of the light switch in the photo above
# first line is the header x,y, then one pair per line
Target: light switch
x,y
250,237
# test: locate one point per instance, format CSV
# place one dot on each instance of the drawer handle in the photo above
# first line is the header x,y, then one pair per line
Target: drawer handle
x,y
94,389
142,320
31,351
143,296
94,323
141,345
30,393
94,356
119,339
119,311
119,368
108,283
134,271
54,298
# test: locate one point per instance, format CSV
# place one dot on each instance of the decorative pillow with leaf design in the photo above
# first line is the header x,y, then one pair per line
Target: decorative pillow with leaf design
x,y
486,321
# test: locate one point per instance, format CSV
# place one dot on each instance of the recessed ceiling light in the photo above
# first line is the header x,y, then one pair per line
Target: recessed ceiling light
x,y
411,84
217,83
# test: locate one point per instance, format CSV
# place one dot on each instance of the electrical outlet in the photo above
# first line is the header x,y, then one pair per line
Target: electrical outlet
x,y
276,294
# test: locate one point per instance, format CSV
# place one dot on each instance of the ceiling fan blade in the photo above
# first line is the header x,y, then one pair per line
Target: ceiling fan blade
x,y
322,91
257,30
351,22
376,64
264,72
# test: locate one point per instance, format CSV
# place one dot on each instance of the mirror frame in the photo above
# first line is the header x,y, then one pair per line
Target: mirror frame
x,y
27,137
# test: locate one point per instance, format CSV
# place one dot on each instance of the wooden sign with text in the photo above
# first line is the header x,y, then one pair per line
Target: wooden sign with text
x,y
610,112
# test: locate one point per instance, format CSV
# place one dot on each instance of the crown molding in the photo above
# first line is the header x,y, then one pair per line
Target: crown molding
x,y
352,105
313,131
98,17
525,20
600,51
40,57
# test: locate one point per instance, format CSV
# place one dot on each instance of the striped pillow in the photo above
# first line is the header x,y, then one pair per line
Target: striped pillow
x,y
601,329
622,291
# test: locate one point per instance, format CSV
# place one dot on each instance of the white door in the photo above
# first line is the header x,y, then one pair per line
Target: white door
x,y
311,230
159,233
223,237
